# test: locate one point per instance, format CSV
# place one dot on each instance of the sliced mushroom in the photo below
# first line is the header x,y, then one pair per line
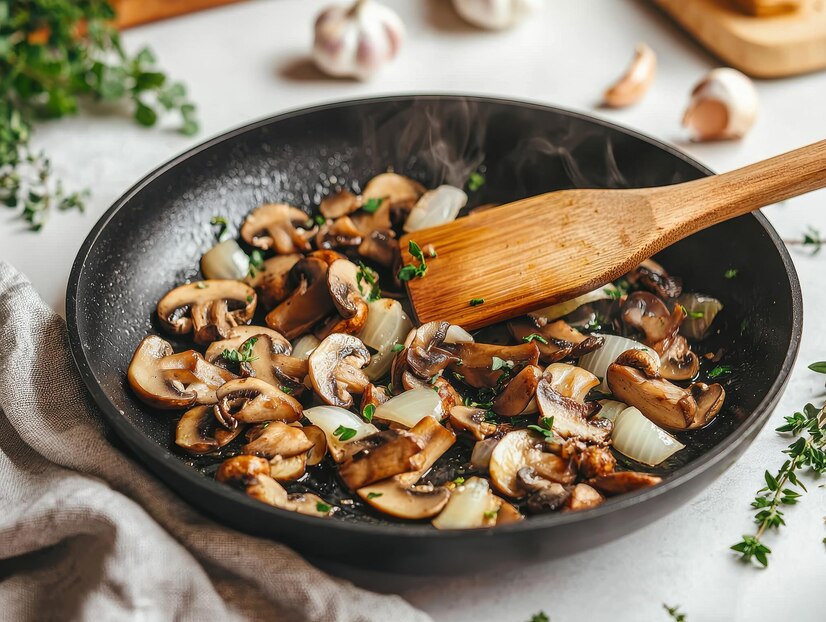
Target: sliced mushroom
x,y
392,497
634,380
507,513
545,495
166,380
426,354
471,505
563,401
342,233
279,227
620,482
653,277
287,469
271,362
515,398
199,432
594,461
380,246
564,341
477,361
308,503
278,439
343,285
339,204
583,497
392,190
437,440
237,336
373,396
381,456
208,309
319,440
335,369
251,400
251,474
471,420
522,448
271,279
309,302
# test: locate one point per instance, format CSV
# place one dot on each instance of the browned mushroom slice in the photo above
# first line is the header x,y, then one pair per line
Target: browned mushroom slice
x,y
382,455
335,369
677,361
522,448
279,227
271,279
517,395
237,336
287,469
278,439
270,361
308,503
426,353
208,309
393,188
250,400
570,414
595,461
373,395
620,482
380,246
477,361
166,380
564,341
339,204
308,304
507,513
544,495
410,502
437,440
653,277
343,285
583,497
341,233
199,432
633,379
319,440
648,314
471,420
252,475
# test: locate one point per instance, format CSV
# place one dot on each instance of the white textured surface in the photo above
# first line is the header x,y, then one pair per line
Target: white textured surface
x,y
248,61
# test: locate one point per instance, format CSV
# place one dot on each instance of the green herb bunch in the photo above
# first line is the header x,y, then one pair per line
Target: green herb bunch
x,y
54,53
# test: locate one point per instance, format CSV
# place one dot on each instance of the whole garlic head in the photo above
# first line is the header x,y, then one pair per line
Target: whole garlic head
x,y
355,41
723,105
495,14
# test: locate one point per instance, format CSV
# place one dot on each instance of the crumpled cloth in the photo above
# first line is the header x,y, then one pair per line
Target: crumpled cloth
x,y
87,534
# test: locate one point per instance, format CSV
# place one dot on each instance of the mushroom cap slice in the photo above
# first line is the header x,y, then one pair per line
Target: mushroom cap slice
x,y
335,369
522,448
199,432
517,395
413,503
472,420
238,335
507,513
341,233
653,277
309,302
287,469
343,285
278,439
339,204
564,341
620,482
437,440
208,309
393,188
271,362
308,503
583,497
477,361
382,455
242,469
648,314
319,440
165,380
381,247
279,227
570,415
251,400
425,355
271,279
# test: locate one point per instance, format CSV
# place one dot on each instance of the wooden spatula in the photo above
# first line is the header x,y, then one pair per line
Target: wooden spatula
x,y
549,248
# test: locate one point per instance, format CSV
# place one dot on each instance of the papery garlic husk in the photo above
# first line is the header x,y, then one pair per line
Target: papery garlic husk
x,y
356,41
495,14
636,81
723,106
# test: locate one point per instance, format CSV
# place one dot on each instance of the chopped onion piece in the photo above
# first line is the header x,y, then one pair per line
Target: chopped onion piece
x,y
468,506
331,418
457,334
637,437
480,458
436,207
304,346
700,313
225,261
411,407
387,324
560,309
611,409
597,362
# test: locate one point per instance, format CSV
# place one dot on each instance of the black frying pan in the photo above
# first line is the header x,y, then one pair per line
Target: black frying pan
x,y
152,238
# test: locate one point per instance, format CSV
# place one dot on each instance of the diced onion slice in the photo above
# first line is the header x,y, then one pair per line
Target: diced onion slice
x,y
225,261
597,362
304,346
611,409
436,207
387,324
457,334
700,313
640,439
330,418
480,457
411,407
560,309
468,506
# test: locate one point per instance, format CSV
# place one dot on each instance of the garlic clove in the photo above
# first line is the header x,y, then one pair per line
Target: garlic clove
x,y
636,81
723,106
495,14
356,41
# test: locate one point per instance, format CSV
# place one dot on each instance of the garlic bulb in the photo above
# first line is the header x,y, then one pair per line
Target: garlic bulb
x,y
723,105
636,81
495,14
355,41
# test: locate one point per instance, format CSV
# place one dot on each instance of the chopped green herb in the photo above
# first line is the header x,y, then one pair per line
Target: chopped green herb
x,y
256,258
374,495
434,378
819,367
675,614
535,337
397,347
319,220
720,370
459,362
285,389
202,285
344,433
475,302
458,376
730,273
371,280
467,401
545,427
265,425
497,363
368,412
491,514
475,181
243,354
459,480
490,416
222,224
322,507
409,271
616,291
249,298
371,205
540,617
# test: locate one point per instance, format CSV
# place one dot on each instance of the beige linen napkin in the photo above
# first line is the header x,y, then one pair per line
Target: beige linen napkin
x,y
87,534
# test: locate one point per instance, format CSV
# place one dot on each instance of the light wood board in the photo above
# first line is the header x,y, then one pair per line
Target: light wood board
x,y
136,12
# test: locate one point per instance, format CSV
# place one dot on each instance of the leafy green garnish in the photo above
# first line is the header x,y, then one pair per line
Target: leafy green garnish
x,y
475,302
368,412
491,514
497,363
545,427
374,495
535,337
720,370
459,480
371,205
371,279
202,285
344,433
475,181
819,367
322,507
222,224
243,354
730,273
540,617
675,614
285,389
410,271
397,347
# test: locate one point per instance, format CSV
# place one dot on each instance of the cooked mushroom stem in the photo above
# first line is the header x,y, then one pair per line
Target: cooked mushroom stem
x,y
471,420
518,393
383,455
571,418
309,302
620,482
564,341
280,227
250,400
271,280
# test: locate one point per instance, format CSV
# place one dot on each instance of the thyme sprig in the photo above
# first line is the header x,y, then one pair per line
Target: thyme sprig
x,y
811,239
784,488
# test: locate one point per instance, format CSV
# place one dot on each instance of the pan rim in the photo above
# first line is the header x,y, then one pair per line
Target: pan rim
x,y
134,437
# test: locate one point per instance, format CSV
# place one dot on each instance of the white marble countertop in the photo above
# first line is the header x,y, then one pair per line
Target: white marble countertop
x,y
248,61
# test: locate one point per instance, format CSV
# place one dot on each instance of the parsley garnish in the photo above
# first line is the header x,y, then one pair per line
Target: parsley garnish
x,y
409,271
545,427
720,370
674,612
242,355
397,347
730,273
322,507
475,181
368,412
371,279
540,617
475,302
692,315
374,495
287,390
221,223
535,337
811,238
344,433
492,513
497,363
371,205
459,480
249,298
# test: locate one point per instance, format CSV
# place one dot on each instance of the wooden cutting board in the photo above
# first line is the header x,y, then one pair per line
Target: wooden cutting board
x,y
136,12
763,47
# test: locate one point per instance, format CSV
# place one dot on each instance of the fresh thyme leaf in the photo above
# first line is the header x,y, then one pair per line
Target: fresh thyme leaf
x,y
249,298
459,480
409,271
371,279
415,250
475,181
243,354
730,273
368,412
720,370
256,258
535,337
674,612
540,616
811,239
371,205
545,427
221,223
322,507
491,514
344,433
285,389
819,367
692,315
397,347
374,495
475,302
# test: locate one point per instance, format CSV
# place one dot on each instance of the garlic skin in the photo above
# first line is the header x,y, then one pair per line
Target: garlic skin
x,y
636,81
723,106
356,41
495,14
